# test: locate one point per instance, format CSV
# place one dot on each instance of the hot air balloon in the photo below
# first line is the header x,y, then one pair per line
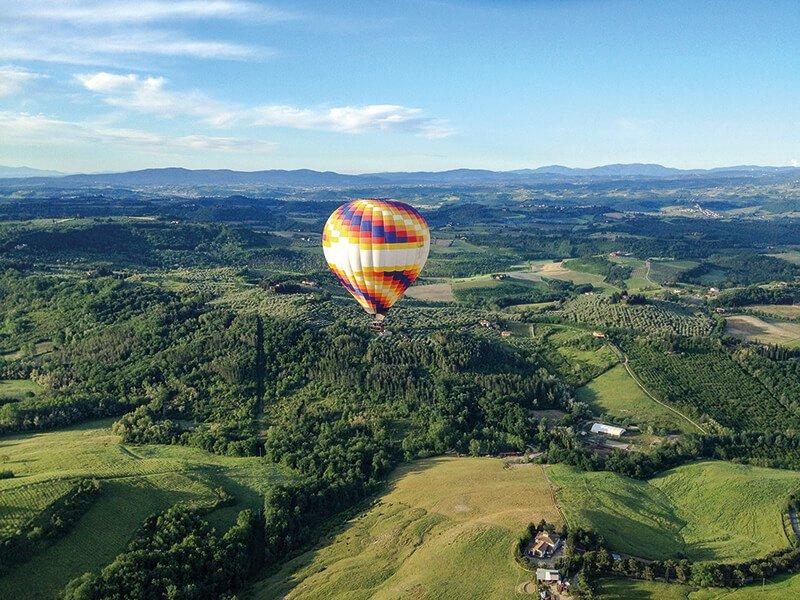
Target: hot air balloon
x,y
376,248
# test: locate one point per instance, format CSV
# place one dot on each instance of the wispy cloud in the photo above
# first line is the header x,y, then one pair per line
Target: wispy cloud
x,y
28,128
126,11
150,95
99,33
20,43
352,119
14,79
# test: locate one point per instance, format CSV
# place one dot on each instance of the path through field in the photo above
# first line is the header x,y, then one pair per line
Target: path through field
x,y
627,366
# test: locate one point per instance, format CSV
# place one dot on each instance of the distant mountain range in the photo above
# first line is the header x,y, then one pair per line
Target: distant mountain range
x,y
20,172
306,178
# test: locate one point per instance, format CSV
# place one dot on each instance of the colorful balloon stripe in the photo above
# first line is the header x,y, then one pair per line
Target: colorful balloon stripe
x,y
376,248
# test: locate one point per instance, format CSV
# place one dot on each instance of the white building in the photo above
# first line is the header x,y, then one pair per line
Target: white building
x,y
611,430
549,575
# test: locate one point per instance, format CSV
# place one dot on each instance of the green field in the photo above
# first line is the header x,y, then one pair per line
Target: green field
x,y
786,311
444,529
640,279
666,271
792,256
137,481
576,354
707,510
560,270
626,589
616,393
16,389
780,588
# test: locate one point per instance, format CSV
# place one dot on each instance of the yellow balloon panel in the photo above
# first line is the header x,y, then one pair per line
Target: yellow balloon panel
x,y
376,248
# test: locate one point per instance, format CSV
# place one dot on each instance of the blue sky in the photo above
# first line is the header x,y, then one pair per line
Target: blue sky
x,y
403,85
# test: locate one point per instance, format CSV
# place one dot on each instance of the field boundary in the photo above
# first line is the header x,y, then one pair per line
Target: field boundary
x,y
554,497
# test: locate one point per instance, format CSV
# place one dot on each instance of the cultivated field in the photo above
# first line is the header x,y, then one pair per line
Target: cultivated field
x,y
575,353
666,271
653,317
707,510
444,529
432,292
137,481
707,381
556,270
786,311
792,256
764,331
616,393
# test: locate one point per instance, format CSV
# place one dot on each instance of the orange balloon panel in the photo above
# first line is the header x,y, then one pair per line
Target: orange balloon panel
x,y
377,249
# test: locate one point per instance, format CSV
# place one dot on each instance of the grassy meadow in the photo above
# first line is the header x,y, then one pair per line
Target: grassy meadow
x,y
137,481
785,311
12,390
779,588
445,528
764,331
558,270
616,393
709,510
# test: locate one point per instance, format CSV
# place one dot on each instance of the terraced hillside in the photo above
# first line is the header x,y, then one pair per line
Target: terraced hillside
x,y
444,529
136,482
708,510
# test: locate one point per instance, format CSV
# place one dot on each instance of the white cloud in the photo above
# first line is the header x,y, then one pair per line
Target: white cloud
x,y
350,119
14,79
794,163
149,95
125,11
26,128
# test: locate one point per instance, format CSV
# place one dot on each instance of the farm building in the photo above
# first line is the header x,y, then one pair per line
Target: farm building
x,y
611,430
598,334
617,445
549,575
544,545
505,334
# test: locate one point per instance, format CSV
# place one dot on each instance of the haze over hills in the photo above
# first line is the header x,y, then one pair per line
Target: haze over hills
x,y
310,178
6,172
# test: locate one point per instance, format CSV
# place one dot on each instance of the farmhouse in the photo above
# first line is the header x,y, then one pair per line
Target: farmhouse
x,y
544,545
611,430
549,575
505,334
598,334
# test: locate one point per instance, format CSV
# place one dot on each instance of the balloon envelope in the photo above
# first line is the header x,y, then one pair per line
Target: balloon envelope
x,y
376,248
